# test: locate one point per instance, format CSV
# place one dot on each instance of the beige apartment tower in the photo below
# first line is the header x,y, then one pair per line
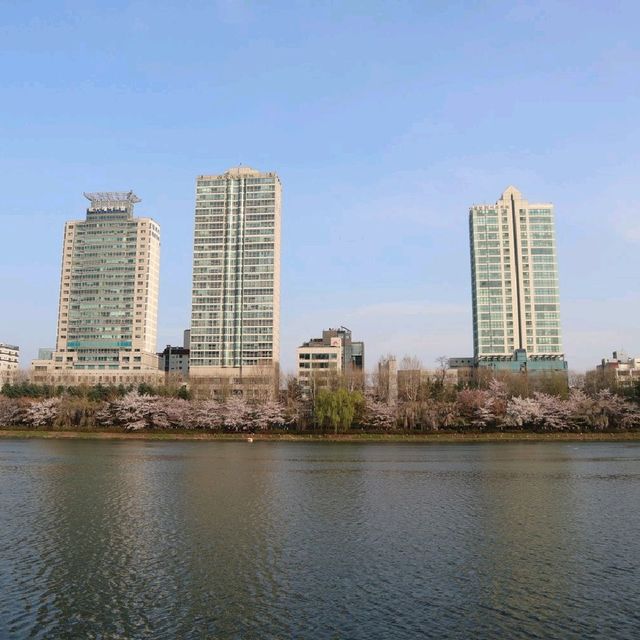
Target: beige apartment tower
x,y
108,309
235,318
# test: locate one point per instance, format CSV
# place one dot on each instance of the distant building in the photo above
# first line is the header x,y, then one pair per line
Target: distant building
x,y
461,363
318,362
9,362
624,369
517,362
175,360
332,355
514,274
45,353
108,310
352,352
235,318
407,377
387,381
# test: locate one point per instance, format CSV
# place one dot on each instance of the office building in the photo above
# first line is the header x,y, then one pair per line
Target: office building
x,y
318,362
174,361
235,319
352,352
514,270
334,354
108,309
9,362
620,368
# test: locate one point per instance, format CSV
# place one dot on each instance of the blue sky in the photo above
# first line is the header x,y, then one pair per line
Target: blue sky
x,y
385,121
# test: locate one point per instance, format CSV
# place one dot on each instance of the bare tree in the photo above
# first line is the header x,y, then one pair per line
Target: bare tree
x,y
443,367
409,378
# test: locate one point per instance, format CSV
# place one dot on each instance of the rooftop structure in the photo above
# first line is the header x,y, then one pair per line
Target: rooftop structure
x,y
102,197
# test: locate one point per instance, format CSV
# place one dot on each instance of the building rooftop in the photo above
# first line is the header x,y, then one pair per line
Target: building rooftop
x,y
102,197
237,172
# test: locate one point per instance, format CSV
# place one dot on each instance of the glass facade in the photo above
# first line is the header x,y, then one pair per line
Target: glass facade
x,y
514,273
236,270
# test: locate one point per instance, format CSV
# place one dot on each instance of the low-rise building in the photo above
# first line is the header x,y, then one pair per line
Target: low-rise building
x,y
624,369
518,362
387,381
9,362
175,361
412,382
352,351
333,355
318,362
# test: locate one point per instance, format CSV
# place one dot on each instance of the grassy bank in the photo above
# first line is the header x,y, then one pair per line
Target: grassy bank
x,y
318,437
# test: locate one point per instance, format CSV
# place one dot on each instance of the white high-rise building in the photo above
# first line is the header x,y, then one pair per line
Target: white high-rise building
x,y
235,318
514,268
108,311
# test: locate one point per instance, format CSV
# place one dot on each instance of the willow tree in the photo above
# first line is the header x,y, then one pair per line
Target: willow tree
x,y
336,409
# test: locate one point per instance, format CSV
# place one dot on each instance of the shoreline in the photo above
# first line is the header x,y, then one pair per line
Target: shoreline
x,y
446,437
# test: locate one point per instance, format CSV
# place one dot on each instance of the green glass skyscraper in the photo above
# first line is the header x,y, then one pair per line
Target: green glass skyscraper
x,y
514,274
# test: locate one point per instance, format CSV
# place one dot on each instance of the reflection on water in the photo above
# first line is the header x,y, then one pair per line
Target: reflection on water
x,y
286,540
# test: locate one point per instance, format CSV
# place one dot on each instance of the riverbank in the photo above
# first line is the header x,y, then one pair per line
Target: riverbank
x,y
448,437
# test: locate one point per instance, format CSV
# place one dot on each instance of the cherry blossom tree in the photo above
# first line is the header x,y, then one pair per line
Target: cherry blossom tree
x,y
42,413
12,412
206,415
235,414
378,416
266,415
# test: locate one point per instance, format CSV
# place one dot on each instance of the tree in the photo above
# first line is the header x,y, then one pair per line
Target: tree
x,y
337,409
267,415
42,413
12,411
477,408
235,414
409,378
207,415
378,416
443,367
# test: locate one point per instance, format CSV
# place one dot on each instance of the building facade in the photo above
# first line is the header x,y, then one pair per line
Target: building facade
x,y
514,273
9,362
108,308
235,317
333,355
318,362
623,369
174,361
352,351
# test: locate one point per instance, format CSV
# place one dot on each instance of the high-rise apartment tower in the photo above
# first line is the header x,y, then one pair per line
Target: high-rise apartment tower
x,y
235,318
514,271
107,317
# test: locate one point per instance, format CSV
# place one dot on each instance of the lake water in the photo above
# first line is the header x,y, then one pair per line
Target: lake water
x,y
311,540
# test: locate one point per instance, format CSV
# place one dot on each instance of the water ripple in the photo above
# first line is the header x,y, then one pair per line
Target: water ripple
x,y
288,540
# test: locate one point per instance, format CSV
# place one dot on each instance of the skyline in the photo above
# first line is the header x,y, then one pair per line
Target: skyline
x,y
398,127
